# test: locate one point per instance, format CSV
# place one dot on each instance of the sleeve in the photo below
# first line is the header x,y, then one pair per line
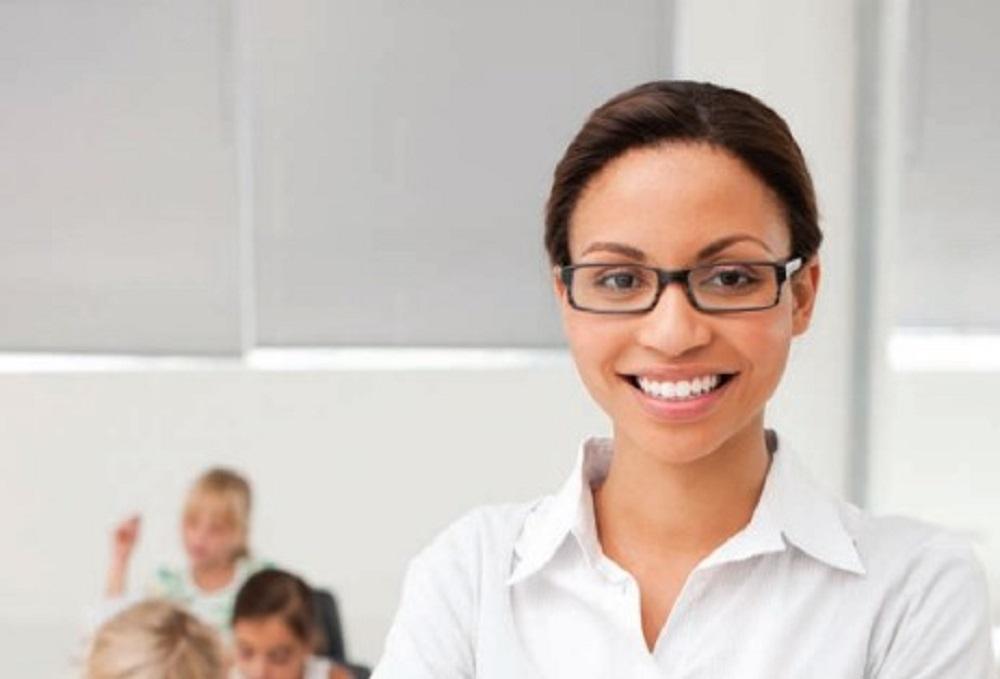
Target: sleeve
x,y
433,634
938,627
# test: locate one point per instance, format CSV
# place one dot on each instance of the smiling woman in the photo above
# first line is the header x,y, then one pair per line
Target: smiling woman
x,y
682,230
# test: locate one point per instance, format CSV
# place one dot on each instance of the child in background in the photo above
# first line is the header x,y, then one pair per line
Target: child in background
x,y
155,640
275,631
215,527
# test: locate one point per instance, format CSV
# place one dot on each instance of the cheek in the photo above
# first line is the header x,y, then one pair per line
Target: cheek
x,y
226,542
593,345
765,346
595,348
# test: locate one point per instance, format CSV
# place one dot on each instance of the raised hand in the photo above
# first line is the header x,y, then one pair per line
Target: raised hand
x,y
124,538
123,541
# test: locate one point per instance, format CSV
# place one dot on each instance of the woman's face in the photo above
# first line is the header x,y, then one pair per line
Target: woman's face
x,y
267,649
676,206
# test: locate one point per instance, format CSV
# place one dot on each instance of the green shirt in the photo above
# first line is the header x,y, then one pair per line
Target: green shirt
x,y
215,608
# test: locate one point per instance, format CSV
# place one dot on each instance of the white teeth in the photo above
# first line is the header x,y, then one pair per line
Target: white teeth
x,y
680,390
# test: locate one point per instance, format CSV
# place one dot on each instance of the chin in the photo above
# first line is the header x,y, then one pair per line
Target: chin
x,y
683,443
676,444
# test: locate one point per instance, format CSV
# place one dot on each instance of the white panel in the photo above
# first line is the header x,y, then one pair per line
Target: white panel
x,y
404,153
949,234
117,177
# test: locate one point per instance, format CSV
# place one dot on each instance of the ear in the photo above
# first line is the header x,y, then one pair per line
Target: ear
x,y
804,286
558,287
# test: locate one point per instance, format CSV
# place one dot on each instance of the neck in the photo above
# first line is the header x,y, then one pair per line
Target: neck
x,y
211,577
691,507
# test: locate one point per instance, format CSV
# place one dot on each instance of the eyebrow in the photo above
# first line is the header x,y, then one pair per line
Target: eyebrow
x,y
618,249
723,243
706,252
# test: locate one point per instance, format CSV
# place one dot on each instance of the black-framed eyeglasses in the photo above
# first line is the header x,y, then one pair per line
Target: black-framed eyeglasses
x,y
722,287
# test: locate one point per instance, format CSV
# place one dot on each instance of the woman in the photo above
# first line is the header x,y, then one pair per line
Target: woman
x,y
682,228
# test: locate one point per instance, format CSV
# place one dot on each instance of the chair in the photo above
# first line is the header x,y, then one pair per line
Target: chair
x,y
331,631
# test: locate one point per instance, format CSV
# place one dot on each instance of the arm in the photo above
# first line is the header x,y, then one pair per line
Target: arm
x,y
939,624
123,541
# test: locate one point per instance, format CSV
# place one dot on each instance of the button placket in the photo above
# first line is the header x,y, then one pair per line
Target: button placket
x,y
672,645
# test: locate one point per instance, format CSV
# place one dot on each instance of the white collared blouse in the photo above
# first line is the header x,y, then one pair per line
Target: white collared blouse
x,y
810,588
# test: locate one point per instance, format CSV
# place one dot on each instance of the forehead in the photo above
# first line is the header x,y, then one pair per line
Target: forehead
x,y
207,506
672,200
268,631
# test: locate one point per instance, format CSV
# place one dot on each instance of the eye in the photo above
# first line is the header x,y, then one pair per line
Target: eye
x,y
281,655
730,277
619,279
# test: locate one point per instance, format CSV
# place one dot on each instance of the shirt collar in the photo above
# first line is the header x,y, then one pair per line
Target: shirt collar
x,y
791,510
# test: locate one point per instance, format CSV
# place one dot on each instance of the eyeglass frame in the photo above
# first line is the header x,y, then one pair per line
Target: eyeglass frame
x,y
783,271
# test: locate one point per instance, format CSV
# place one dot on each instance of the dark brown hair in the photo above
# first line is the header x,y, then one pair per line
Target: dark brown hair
x,y
276,592
677,111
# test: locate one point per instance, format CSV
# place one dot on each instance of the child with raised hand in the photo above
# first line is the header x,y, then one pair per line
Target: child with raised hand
x,y
275,632
215,528
155,639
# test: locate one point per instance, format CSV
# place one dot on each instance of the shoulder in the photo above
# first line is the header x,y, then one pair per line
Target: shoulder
x,y
890,549
448,586
250,565
168,582
932,598
484,535
485,525
903,550
465,563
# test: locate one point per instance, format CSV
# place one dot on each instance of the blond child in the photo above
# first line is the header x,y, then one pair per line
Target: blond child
x,y
215,529
155,639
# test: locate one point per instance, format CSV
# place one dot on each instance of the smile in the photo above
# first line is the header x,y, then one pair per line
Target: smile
x,y
681,390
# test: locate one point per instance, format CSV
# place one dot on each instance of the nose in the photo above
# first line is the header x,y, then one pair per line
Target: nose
x,y
673,327
255,669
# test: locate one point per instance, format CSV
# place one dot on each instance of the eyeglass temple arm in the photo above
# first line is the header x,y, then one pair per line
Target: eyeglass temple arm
x,y
792,266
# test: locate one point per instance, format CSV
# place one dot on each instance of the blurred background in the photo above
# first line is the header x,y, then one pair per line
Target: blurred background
x,y
303,238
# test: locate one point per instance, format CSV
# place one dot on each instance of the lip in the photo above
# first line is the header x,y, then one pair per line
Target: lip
x,y
676,374
679,411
